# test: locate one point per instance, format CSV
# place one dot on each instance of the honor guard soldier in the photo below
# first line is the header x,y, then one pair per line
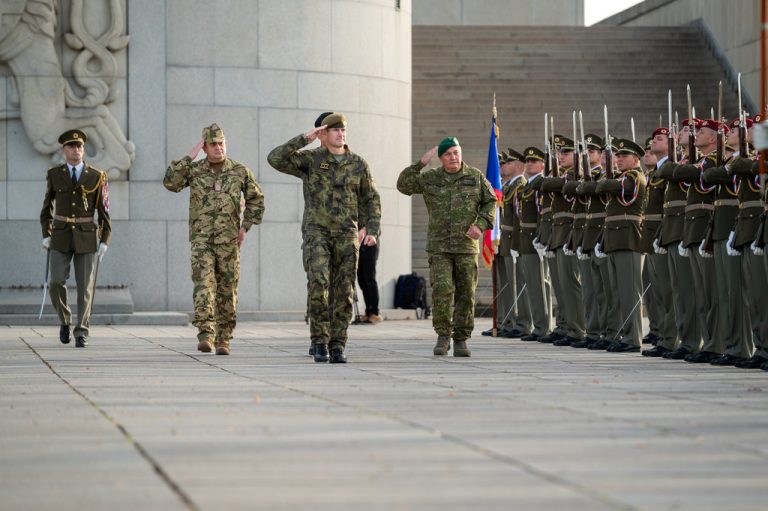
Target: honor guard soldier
x,y
621,242
699,209
745,239
74,192
532,266
670,241
339,190
513,315
656,270
566,281
217,227
594,270
461,206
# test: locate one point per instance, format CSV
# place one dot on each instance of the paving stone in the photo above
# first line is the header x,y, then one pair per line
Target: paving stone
x,y
141,420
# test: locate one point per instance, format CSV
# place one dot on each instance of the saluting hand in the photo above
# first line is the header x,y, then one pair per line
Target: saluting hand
x,y
311,136
195,150
474,232
428,156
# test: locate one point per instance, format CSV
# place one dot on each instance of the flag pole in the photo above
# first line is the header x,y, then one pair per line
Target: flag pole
x,y
495,313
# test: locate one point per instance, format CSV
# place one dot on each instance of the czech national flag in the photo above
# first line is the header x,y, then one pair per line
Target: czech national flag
x,y
493,175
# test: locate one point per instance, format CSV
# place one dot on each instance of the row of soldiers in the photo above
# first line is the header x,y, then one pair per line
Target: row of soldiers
x,y
684,235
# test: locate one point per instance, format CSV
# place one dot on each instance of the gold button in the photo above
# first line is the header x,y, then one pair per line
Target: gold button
x,y
73,203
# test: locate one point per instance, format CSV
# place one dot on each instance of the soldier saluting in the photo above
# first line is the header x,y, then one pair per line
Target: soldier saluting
x,y
461,205
338,191
216,231
74,192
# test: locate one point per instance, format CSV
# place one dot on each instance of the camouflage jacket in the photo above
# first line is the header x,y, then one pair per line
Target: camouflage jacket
x,y
454,203
215,198
337,195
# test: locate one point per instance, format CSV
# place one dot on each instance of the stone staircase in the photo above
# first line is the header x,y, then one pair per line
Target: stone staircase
x,y
532,70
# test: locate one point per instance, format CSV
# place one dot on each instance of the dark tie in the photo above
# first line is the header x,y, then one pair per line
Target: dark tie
x,y
74,177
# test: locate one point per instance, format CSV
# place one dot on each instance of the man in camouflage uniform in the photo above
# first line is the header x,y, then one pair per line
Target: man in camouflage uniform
x,y
338,191
74,192
217,186
461,206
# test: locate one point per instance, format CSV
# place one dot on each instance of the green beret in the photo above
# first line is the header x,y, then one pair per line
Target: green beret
x,y
446,144
321,118
72,136
212,134
533,153
335,120
626,146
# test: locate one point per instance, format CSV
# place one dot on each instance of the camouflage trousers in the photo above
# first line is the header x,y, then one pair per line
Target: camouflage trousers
x,y
215,274
454,279
331,264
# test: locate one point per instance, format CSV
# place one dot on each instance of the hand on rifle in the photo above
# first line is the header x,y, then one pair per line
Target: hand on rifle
x,y
101,250
46,243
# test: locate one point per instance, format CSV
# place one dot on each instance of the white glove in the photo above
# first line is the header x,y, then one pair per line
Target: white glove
x,y
567,251
658,249
515,254
537,245
684,252
702,251
540,250
759,136
729,245
46,243
102,250
549,254
755,249
599,253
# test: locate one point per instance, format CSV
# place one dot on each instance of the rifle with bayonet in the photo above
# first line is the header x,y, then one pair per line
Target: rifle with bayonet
x,y
576,150
555,164
671,137
548,158
608,146
586,167
691,131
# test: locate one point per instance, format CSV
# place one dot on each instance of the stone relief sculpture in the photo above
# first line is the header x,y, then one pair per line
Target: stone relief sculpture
x,y
40,94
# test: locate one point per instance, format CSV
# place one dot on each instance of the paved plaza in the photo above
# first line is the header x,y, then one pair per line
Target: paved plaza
x,y
141,421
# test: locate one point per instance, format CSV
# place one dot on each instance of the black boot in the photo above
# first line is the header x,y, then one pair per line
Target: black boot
x,y
337,355
321,353
65,336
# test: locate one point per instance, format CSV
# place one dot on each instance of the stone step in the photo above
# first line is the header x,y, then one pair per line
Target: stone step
x,y
26,301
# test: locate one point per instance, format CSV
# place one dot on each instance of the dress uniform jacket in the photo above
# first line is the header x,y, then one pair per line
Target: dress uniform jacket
x,y
654,210
675,199
68,210
562,218
726,201
700,203
624,211
527,206
593,224
750,206
510,234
